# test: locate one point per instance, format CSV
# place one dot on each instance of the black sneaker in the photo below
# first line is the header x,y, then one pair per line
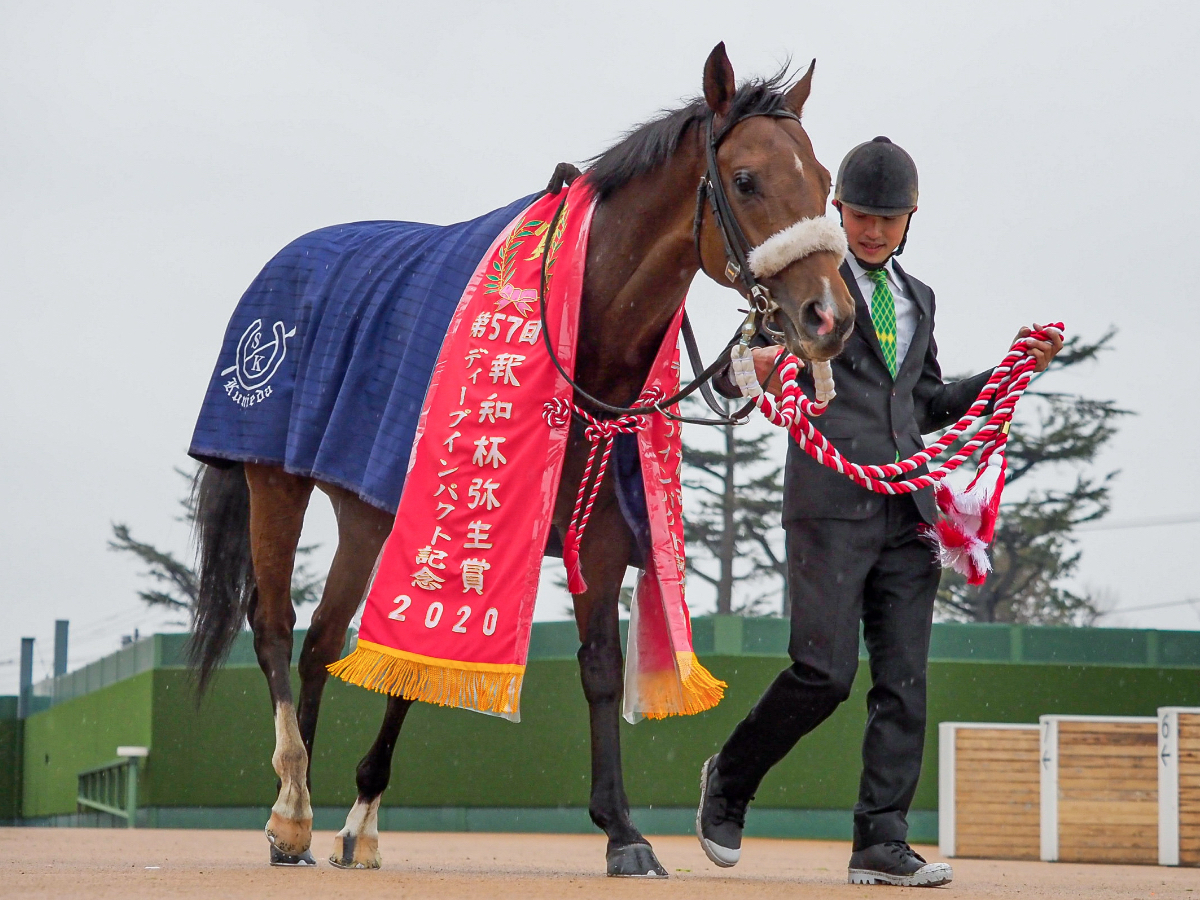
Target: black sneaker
x,y
894,862
719,820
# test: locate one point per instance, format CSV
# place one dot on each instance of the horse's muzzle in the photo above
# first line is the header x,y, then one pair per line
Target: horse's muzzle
x,y
816,332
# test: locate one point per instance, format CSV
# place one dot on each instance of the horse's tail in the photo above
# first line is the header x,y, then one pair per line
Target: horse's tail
x,y
225,579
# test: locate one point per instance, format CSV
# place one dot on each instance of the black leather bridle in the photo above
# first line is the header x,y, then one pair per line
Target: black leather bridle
x,y
737,268
737,248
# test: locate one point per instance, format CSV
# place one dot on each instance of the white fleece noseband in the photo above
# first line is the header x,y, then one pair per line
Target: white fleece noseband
x,y
797,241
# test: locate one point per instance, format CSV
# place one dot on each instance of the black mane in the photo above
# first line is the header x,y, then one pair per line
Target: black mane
x,y
649,145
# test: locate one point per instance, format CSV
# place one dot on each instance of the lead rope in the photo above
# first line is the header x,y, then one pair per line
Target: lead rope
x,y
968,518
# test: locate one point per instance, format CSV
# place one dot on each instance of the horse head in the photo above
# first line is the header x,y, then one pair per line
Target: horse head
x,y
764,226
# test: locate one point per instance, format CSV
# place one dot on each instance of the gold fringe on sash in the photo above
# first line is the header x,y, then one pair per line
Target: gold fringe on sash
x,y
487,687
687,690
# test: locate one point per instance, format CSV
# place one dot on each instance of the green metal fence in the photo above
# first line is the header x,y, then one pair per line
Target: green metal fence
x,y
113,787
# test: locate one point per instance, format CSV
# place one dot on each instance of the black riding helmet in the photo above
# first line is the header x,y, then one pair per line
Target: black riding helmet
x,y
878,178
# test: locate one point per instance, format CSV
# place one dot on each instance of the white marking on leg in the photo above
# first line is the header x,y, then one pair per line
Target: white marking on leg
x,y
291,765
363,819
356,846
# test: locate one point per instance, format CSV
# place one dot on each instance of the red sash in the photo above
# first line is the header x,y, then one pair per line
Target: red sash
x,y
448,615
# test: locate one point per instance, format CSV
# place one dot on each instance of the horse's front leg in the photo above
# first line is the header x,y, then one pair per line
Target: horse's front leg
x,y
605,552
356,846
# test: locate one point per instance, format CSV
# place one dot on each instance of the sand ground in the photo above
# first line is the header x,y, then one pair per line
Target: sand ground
x,y
78,863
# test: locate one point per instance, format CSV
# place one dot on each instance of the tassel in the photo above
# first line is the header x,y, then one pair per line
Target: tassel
x,y
575,580
991,512
683,691
968,521
391,672
960,551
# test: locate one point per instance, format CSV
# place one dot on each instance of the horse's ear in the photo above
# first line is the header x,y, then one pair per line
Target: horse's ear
x,y
719,85
798,93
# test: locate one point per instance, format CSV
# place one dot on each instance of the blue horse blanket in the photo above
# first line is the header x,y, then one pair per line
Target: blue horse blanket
x,y
328,355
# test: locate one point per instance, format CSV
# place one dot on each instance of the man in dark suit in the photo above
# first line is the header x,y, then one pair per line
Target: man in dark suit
x,y
854,555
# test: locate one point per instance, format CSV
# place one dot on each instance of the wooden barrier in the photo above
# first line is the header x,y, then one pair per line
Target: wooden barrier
x,y
988,790
1099,789
1179,786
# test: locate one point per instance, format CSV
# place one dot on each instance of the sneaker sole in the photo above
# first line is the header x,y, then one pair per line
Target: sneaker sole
x,y
705,843
939,874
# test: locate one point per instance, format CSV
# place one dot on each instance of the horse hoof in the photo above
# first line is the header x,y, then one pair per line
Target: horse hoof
x,y
279,858
634,861
291,837
351,851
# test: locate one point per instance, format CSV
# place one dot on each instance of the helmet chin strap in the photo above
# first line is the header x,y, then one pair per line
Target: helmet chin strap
x,y
904,240
870,266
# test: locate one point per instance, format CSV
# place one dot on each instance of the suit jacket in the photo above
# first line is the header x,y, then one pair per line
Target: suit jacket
x,y
874,416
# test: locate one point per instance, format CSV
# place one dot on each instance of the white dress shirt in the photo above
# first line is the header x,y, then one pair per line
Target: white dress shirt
x,y
907,313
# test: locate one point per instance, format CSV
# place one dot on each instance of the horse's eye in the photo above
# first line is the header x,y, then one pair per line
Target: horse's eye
x,y
744,182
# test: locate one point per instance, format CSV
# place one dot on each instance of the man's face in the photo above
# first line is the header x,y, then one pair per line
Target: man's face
x,y
873,238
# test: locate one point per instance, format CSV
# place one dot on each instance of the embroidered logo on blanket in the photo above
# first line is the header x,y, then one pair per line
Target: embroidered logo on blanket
x,y
257,362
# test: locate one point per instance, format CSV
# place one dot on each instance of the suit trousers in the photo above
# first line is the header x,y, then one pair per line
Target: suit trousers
x,y
879,571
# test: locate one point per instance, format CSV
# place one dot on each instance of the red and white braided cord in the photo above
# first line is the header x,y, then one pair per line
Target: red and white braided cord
x,y
600,434
1007,383
794,411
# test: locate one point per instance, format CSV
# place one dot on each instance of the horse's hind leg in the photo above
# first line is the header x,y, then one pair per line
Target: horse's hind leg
x,y
606,549
357,844
362,529
277,504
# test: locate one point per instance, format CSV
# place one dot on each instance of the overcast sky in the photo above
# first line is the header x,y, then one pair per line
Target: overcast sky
x,y
155,156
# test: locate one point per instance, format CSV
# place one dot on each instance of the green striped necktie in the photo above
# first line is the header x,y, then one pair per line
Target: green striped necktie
x,y
883,314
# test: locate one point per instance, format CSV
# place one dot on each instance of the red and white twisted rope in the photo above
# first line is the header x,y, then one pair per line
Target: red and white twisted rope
x,y
968,516
1009,380
600,434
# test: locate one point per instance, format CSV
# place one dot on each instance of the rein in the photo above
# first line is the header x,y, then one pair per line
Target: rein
x,y
737,268
968,518
699,381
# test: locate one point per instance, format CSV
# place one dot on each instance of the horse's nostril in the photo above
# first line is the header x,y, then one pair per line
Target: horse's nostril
x,y
818,320
827,323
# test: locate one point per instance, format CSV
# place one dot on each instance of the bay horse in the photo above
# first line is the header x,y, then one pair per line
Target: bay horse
x,y
649,237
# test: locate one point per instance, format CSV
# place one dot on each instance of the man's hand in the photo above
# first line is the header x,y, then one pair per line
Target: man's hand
x,y
1043,351
764,365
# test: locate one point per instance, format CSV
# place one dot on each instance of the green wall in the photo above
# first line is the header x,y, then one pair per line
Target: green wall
x,y
10,760
219,754
80,734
